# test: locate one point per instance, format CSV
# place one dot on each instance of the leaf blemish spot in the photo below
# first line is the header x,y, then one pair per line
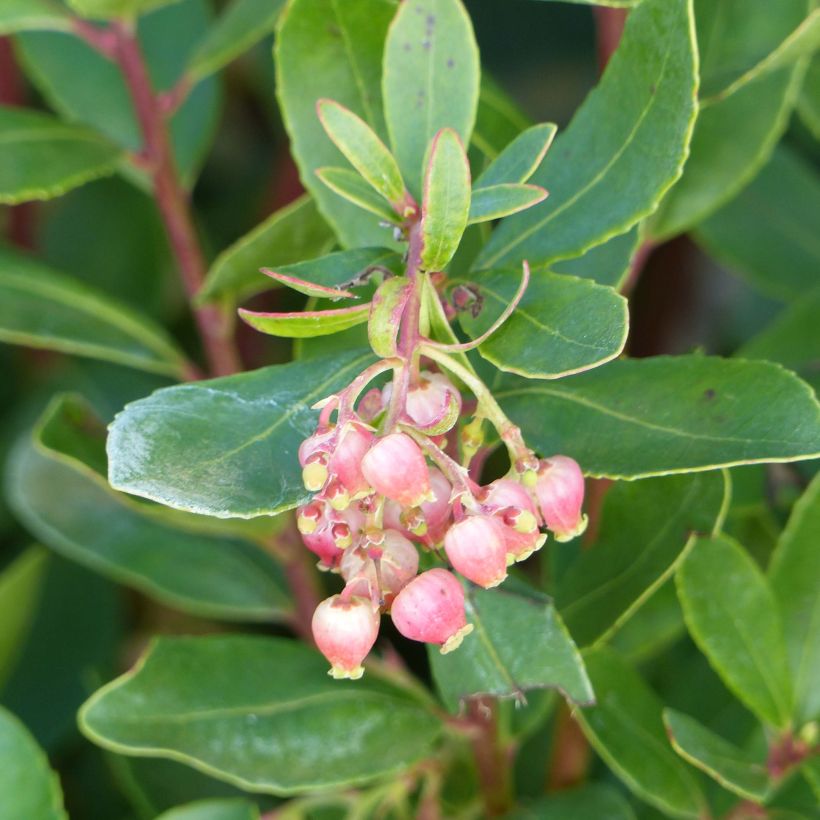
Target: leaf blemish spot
x,y
709,394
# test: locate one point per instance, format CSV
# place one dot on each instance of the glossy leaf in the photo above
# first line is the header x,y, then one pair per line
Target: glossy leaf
x,y
385,315
240,26
519,643
794,574
430,80
282,726
29,788
102,9
350,186
521,158
60,65
768,233
732,615
642,417
736,770
499,120
602,180
562,325
32,15
306,323
78,516
289,235
334,50
42,157
595,801
808,101
364,150
606,264
236,436
42,308
309,288
647,528
496,201
20,584
627,731
227,809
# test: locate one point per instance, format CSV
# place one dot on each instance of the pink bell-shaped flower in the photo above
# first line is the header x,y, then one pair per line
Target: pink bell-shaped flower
x,y
560,493
476,547
436,511
431,609
395,468
346,460
381,572
327,532
510,503
434,404
345,630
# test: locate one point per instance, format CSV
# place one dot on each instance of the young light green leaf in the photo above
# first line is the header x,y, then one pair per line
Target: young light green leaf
x,y
350,185
227,809
20,584
595,801
226,447
794,574
604,179
42,308
33,15
305,324
298,729
289,235
626,729
735,769
647,528
606,264
446,202
668,414
430,80
521,158
309,288
769,232
496,201
326,48
385,315
732,615
365,152
42,157
239,27
30,789
562,325
60,64
74,513
518,643
808,101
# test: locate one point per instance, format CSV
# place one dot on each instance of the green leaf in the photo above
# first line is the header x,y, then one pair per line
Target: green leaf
x,y
306,323
227,809
20,584
521,158
76,515
60,66
735,769
239,27
102,9
42,157
29,788
289,235
496,201
226,447
33,15
327,48
518,643
385,315
647,528
499,121
595,801
623,149
350,186
732,615
282,726
562,325
610,3
626,729
364,151
668,414
42,308
606,264
768,233
793,574
430,80
446,203
808,101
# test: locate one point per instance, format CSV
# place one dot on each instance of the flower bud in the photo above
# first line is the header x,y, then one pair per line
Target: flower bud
x,y
476,547
510,503
395,467
560,494
436,511
346,460
431,609
345,631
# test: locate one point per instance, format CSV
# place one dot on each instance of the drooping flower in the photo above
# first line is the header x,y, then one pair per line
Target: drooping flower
x,y
345,630
395,468
560,493
476,547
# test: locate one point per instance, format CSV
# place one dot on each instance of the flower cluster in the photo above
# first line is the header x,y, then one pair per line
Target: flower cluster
x,y
388,484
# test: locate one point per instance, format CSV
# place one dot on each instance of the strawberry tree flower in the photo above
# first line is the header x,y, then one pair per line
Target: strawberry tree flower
x,y
345,629
560,493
